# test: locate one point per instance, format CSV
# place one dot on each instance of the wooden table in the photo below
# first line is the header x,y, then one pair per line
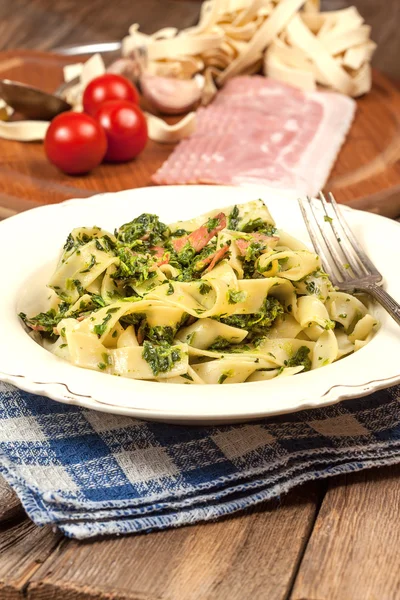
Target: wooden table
x,y
338,539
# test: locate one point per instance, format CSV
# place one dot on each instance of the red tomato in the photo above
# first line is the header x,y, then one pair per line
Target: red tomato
x,y
75,142
126,129
108,87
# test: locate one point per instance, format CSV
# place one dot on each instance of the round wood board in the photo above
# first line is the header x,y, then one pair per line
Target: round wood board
x,y
366,174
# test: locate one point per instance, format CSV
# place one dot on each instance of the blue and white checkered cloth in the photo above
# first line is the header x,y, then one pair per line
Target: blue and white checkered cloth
x,y
90,473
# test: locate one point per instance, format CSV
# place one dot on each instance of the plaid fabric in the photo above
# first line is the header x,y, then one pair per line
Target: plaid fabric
x,y
90,473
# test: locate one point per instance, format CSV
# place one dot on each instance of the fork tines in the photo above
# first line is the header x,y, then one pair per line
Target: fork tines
x,y
336,244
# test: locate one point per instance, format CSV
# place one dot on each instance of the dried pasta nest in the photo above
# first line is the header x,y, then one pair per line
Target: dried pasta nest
x,y
291,39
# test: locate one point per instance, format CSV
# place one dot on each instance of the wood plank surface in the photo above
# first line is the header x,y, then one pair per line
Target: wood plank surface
x,y
10,506
44,24
354,550
23,548
252,557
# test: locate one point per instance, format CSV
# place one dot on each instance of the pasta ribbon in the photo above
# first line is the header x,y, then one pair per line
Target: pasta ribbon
x,y
223,298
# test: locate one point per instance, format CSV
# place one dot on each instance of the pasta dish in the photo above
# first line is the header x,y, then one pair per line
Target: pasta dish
x,y
225,297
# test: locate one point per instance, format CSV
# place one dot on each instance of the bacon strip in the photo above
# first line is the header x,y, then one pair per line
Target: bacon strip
x,y
242,245
160,255
201,236
216,257
35,327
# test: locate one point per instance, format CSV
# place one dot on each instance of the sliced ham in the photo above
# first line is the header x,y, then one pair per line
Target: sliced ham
x,y
201,236
262,131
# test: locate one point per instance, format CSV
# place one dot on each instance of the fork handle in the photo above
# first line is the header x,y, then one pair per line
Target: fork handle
x,y
385,300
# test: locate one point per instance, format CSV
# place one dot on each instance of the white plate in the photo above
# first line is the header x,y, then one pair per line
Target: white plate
x,y
29,246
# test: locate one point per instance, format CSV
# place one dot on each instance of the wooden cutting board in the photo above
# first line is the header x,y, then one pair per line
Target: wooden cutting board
x,y
366,174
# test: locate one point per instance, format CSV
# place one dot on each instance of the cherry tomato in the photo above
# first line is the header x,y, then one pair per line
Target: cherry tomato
x,y
75,142
108,87
126,129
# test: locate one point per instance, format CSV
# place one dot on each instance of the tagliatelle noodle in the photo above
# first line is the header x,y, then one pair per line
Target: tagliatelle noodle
x,y
220,325
264,36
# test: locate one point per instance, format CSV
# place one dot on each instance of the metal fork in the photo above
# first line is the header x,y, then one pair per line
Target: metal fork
x,y
356,273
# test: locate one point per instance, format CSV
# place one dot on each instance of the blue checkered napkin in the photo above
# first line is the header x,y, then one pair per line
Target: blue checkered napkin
x,y
90,473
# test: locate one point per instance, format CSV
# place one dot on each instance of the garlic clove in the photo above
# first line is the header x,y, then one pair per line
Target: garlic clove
x,y
168,95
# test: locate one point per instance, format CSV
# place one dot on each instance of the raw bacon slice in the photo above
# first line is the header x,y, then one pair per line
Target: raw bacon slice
x,y
262,131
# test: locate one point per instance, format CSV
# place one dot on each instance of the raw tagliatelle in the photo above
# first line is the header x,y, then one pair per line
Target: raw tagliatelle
x,y
222,298
291,39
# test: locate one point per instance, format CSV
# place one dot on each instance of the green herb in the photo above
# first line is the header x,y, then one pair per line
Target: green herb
x,y
238,349
204,288
161,358
133,318
254,250
187,376
233,220
180,232
114,334
257,324
134,268
170,290
160,334
100,329
63,345
102,366
236,297
222,378
220,343
69,244
147,228
212,224
106,358
258,225
99,246
343,315
300,358
186,255
45,322
115,309
346,266
108,243
98,300
78,286
312,288
91,264
328,219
